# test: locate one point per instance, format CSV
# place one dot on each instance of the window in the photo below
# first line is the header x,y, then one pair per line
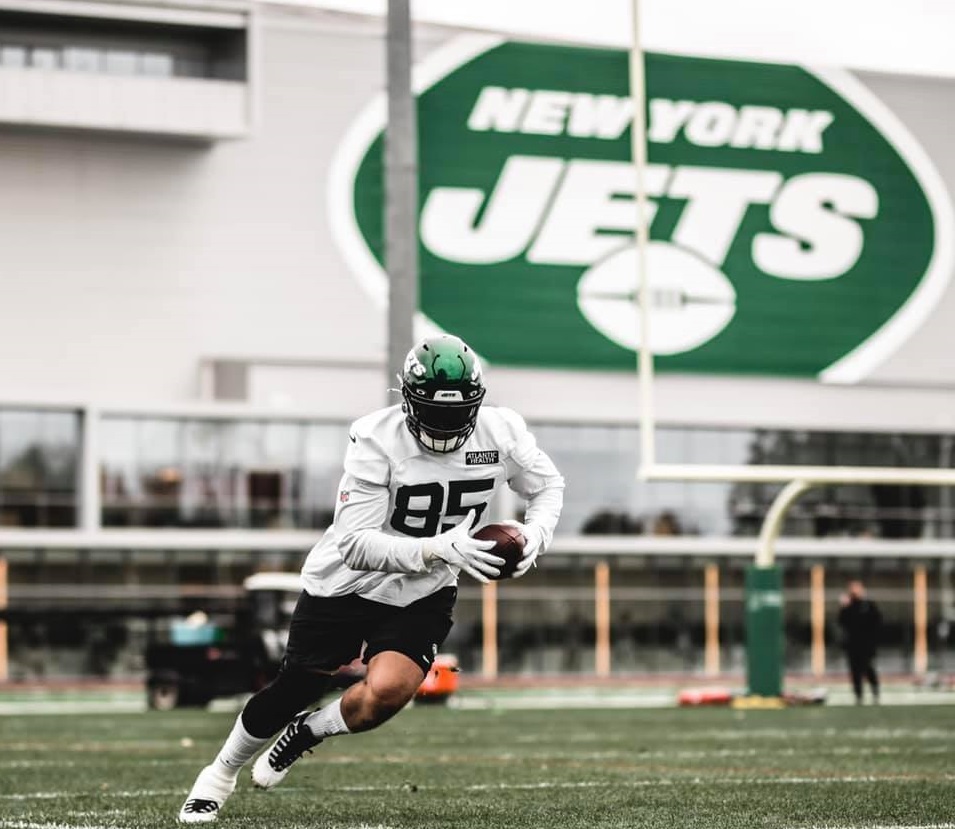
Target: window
x,y
157,65
120,63
77,59
42,58
214,473
197,472
603,495
38,468
13,57
121,47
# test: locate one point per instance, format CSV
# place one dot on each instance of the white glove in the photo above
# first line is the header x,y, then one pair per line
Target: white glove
x,y
533,546
456,547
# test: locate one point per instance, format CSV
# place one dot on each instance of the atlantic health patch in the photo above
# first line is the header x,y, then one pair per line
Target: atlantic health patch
x,y
480,458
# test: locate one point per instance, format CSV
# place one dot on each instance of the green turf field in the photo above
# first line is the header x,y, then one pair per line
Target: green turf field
x,y
835,767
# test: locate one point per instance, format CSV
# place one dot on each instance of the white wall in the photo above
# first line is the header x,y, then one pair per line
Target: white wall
x,y
123,261
881,35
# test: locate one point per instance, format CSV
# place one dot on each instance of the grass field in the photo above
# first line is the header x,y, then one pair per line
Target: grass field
x,y
835,767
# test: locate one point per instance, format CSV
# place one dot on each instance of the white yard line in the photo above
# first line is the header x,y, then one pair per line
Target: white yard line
x,y
660,781
568,784
33,824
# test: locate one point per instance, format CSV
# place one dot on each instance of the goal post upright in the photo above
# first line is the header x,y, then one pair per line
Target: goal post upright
x,y
638,146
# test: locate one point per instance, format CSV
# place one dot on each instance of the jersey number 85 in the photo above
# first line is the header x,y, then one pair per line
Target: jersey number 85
x,y
420,507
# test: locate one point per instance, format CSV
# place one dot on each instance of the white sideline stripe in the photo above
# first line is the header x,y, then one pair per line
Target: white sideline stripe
x,y
891,826
104,793
126,706
518,702
29,824
567,784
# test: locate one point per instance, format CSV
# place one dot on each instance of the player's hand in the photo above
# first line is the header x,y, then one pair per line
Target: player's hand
x,y
457,548
533,546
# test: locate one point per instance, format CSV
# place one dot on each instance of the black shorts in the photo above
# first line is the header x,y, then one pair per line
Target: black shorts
x,y
328,632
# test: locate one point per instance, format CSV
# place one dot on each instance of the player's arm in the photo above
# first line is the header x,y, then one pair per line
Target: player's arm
x,y
362,511
533,476
364,546
543,487
359,516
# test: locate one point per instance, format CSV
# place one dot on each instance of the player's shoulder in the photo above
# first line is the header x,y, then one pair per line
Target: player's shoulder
x,y
502,426
380,423
375,441
381,431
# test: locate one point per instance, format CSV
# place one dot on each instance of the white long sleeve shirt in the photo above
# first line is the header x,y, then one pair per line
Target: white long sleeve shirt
x,y
394,493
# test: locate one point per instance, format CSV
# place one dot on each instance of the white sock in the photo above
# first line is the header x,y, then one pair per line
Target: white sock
x,y
328,721
238,749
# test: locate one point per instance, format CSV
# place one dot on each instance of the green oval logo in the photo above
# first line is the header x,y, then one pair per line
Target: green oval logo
x,y
796,226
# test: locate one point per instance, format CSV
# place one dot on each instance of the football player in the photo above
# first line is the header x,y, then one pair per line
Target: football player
x,y
417,482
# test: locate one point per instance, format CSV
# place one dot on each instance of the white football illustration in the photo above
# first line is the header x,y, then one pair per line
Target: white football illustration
x,y
691,301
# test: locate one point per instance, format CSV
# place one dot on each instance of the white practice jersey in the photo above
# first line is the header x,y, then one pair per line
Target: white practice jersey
x,y
395,492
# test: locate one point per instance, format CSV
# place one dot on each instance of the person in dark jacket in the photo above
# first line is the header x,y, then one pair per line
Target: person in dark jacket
x,y
861,623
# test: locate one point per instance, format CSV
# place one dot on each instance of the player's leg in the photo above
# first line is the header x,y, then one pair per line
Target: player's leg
x,y
264,714
873,677
856,670
389,686
399,651
299,684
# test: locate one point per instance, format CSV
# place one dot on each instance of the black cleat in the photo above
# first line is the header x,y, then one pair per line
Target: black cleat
x,y
271,767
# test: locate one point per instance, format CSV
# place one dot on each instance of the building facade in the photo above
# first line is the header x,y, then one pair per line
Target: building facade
x,y
192,310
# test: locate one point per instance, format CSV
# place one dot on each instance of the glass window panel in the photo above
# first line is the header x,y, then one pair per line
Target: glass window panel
x,y
599,467
59,446
735,446
82,59
20,462
282,444
159,455
706,510
324,453
202,441
42,58
704,446
119,477
243,444
121,63
13,57
38,457
672,445
158,442
156,65
205,499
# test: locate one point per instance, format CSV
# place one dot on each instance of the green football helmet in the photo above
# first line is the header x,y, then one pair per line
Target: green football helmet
x,y
443,388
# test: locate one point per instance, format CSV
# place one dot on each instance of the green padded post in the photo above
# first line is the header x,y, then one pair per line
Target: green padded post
x,y
764,631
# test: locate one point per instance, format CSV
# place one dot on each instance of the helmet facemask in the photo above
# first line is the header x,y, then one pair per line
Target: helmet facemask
x,y
443,390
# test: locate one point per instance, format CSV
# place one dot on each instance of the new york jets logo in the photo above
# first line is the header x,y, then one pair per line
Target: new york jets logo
x,y
796,226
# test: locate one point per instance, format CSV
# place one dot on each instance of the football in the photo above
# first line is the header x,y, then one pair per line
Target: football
x,y
508,544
